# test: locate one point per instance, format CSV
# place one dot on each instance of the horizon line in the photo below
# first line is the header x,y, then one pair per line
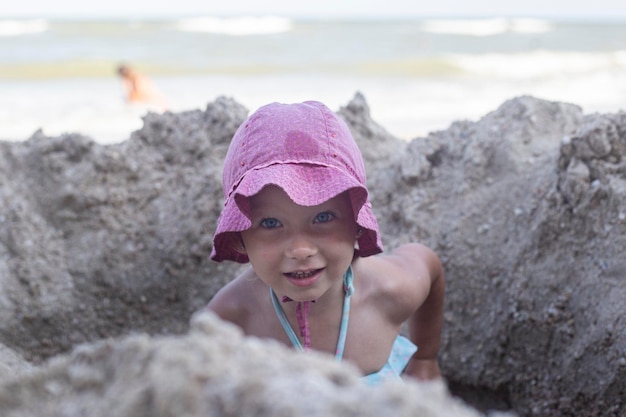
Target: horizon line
x,y
605,17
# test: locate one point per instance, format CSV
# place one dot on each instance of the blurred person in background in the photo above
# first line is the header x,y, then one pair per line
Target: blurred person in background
x,y
139,89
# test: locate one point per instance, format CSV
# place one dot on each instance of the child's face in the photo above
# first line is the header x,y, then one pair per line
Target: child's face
x,y
300,251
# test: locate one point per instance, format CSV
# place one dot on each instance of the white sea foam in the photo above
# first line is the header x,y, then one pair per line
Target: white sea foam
x,y
485,27
539,63
236,26
529,26
22,27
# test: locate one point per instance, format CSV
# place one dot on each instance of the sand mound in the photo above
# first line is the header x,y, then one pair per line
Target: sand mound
x,y
525,208
211,371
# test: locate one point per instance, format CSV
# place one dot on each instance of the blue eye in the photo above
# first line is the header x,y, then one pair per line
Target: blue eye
x,y
324,217
270,223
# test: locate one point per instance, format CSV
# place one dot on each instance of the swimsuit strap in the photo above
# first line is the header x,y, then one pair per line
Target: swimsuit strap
x,y
284,322
348,287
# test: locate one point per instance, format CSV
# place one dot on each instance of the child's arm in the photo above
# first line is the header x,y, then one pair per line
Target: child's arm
x,y
426,323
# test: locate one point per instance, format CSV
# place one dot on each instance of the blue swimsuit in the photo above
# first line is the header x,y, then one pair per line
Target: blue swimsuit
x,y
401,351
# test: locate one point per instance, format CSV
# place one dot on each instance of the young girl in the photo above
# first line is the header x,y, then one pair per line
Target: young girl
x,y
297,208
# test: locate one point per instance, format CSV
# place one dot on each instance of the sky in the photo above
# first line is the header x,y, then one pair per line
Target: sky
x,y
318,8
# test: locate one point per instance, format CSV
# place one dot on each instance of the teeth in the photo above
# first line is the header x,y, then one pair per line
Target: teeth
x,y
301,274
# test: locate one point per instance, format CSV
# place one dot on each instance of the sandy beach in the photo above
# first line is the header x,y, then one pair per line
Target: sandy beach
x,y
105,260
497,141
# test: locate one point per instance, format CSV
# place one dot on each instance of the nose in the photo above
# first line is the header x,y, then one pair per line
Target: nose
x,y
301,247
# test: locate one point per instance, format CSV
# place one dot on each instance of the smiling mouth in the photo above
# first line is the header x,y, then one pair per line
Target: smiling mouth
x,y
302,274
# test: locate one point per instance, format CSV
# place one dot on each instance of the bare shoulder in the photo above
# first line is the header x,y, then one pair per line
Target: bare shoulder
x,y
417,260
233,301
403,278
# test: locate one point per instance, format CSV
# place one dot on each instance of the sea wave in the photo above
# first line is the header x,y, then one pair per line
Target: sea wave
x,y
540,63
10,28
485,27
236,26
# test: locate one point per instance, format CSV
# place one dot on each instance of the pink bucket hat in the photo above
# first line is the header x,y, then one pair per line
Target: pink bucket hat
x,y
306,150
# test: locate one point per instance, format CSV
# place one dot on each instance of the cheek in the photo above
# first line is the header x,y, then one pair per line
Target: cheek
x,y
348,233
248,240
340,243
257,247
345,237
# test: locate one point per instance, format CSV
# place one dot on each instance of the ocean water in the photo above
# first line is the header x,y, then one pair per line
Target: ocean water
x,y
418,75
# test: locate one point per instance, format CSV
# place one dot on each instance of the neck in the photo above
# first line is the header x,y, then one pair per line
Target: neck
x,y
327,303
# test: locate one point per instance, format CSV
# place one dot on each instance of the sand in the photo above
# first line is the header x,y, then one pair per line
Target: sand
x,y
104,258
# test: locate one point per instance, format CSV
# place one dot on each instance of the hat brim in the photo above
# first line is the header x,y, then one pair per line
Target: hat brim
x,y
306,185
